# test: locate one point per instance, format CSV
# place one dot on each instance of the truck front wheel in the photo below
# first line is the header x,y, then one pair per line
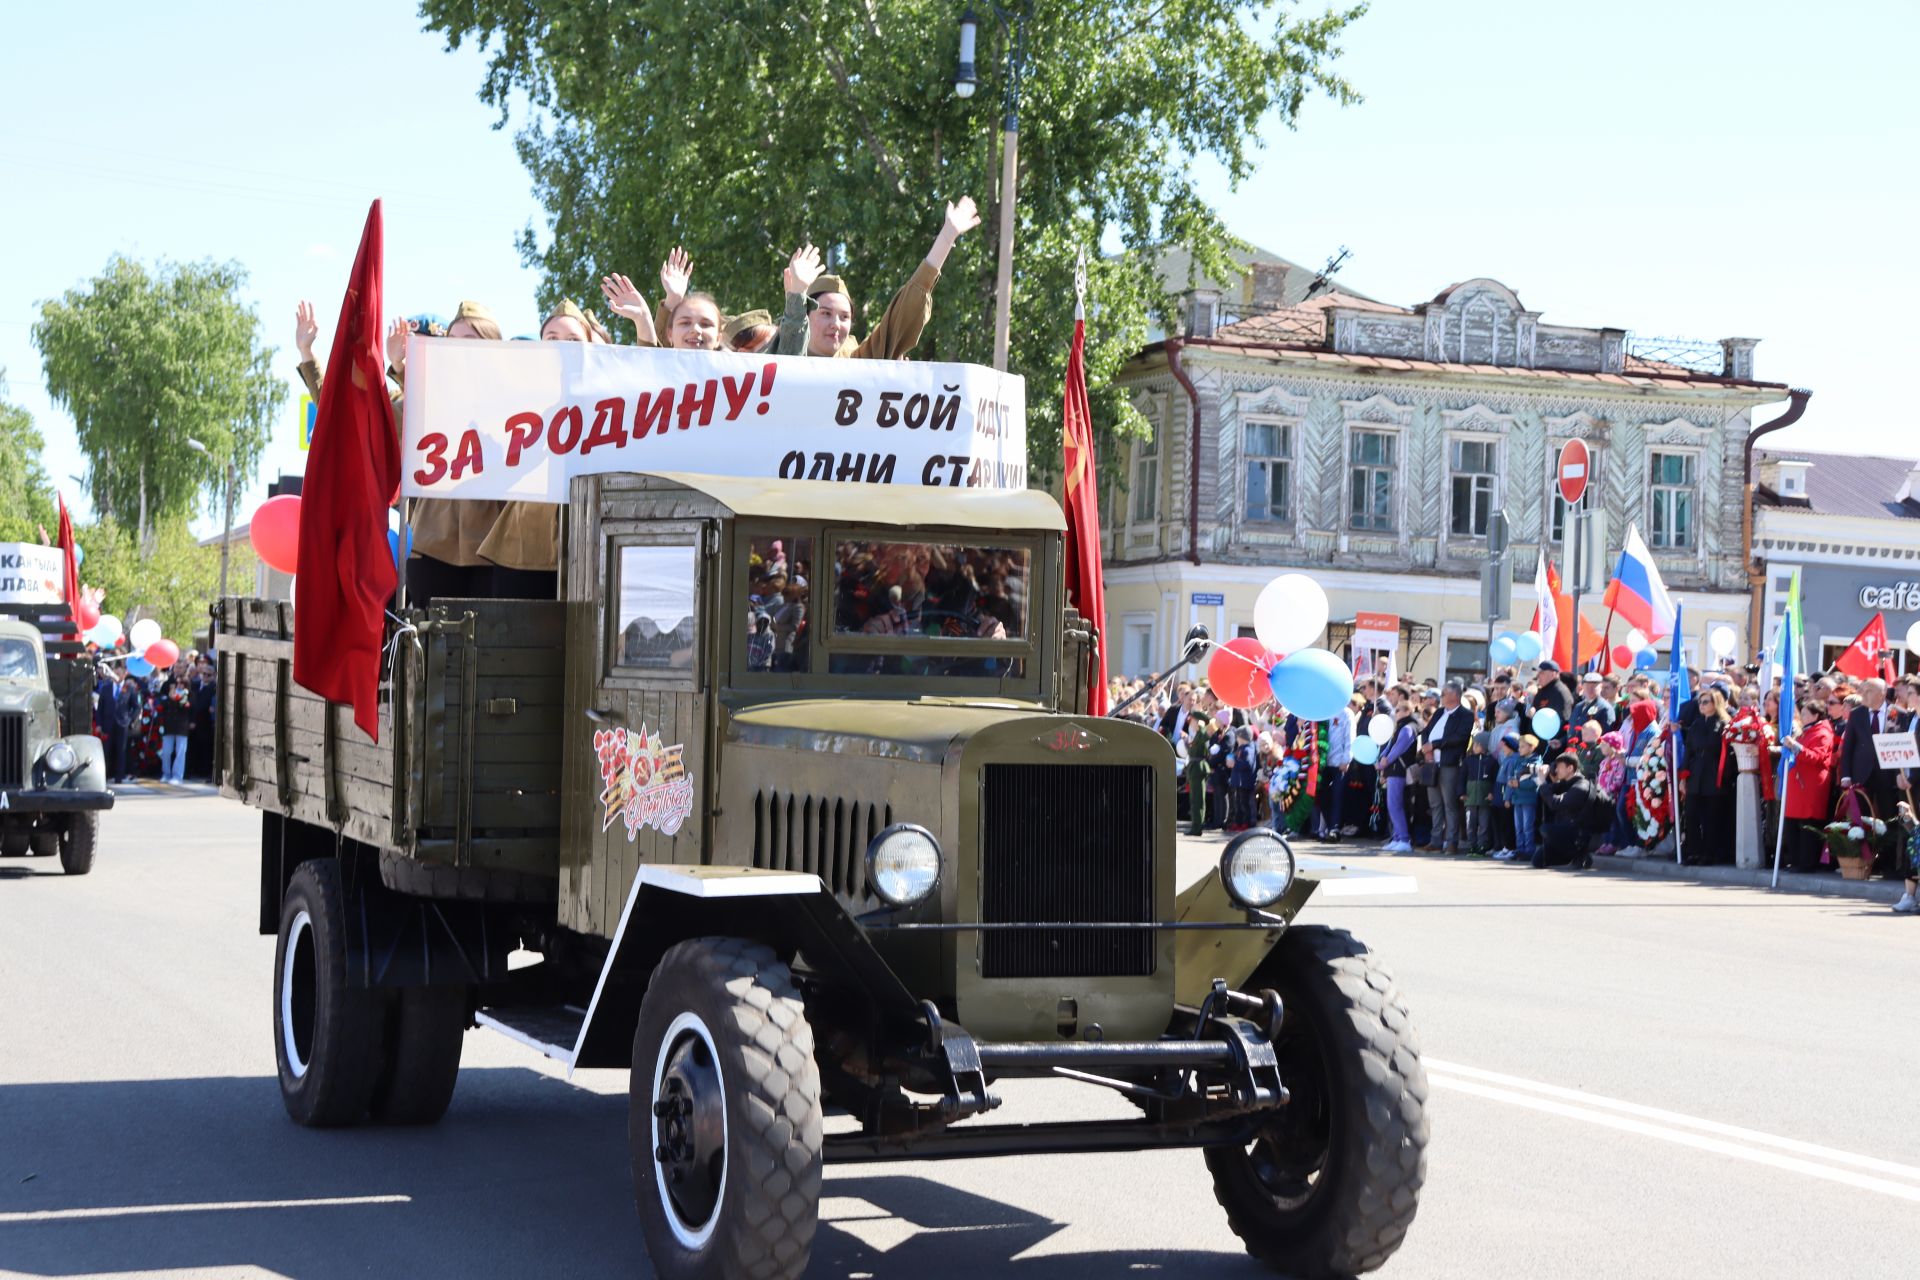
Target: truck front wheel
x,y
724,1115
1330,1185
326,1034
76,846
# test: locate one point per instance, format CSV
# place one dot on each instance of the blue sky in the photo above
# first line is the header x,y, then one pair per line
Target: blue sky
x,y
1702,169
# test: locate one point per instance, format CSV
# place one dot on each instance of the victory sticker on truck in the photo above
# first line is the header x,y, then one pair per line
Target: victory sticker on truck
x,y
520,419
645,782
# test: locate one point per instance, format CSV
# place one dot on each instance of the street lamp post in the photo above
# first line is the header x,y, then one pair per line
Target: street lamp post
x,y
1013,20
226,534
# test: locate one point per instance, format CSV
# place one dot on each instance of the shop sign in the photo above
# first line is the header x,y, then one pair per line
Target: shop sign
x,y
1376,630
1897,750
1209,597
1902,597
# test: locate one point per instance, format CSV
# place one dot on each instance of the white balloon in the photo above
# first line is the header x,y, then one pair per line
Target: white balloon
x,y
1380,728
1636,640
144,633
1290,613
1913,638
1723,640
106,631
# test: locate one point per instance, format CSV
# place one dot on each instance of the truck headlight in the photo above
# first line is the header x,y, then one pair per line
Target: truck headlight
x,y
1257,868
903,864
60,758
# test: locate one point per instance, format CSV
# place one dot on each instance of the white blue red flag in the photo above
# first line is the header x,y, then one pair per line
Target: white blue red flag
x,y
1637,594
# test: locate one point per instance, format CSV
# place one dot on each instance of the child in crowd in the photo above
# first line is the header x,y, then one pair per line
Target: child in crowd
x,y
1591,754
1240,780
1522,771
1481,771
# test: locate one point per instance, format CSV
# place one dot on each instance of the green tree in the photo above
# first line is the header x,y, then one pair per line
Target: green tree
x,y
26,498
146,361
740,130
173,583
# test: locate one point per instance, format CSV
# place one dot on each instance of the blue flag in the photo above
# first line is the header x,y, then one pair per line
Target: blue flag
x,y
1788,647
1679,688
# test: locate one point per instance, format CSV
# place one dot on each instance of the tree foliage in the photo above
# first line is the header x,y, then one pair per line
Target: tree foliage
x,y
26,499
743,129
146,360
173,584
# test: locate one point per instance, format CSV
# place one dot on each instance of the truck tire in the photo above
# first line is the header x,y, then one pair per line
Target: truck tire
x,y
723,1117
326,1034
15,842
45,842
419,879
1332,1182
76,847
425,1029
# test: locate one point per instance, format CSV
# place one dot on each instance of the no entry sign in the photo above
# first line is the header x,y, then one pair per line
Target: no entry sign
x,y
1576,465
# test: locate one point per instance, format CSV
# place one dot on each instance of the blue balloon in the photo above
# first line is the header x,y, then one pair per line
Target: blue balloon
x,y
1527,646
1645,659
1365,750
139,666
1312,683
393,543
1505,649
79,555
1546,723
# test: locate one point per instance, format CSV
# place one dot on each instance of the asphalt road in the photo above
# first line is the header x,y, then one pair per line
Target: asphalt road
x,y
1631,1078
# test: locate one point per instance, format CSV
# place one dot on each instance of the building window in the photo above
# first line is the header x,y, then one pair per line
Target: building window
x,y
1467,661
1671,475
1371,479
1473,463
1146,477
1268,449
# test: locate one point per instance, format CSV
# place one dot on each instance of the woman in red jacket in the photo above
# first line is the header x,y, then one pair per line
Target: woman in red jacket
x,y
1809,799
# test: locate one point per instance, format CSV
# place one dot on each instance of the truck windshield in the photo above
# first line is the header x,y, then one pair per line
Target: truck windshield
x,y
17,659
897,595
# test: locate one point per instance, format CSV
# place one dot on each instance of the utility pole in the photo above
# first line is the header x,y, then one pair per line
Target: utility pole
x,y
1013,22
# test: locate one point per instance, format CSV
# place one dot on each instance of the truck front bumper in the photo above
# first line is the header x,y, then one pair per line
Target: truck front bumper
x,y
25,800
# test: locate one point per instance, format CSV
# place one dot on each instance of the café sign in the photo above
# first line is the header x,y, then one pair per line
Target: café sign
x,y
1902,597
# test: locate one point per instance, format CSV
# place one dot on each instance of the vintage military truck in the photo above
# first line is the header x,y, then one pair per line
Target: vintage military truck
x,y
794,798
53,773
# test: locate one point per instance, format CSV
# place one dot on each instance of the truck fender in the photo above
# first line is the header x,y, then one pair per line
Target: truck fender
x,y
92,773
788,910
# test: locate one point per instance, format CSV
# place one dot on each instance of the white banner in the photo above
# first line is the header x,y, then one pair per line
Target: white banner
x,y
29,573
520,419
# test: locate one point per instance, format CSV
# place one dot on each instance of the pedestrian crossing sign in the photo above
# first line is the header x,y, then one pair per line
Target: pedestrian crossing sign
x,y
309,411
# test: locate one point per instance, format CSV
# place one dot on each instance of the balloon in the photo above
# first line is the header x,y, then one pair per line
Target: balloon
x,y
1237,671
1637,640
1723,640
1380,728
1528,646
1913,638
1313,683
79,555
87,615
275,532
143,634
1290,613
1365,751
1645,659
393,544
1622,656
1504,649
107,630
138,666
1546,723
162,653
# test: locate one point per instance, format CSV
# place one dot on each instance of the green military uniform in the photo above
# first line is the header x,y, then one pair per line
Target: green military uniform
x,y
1196,781
897,333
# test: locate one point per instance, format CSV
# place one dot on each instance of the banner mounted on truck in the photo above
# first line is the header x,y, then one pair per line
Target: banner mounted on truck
x,y
29,573
520,419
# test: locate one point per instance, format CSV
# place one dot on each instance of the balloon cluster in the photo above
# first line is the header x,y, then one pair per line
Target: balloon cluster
x,y
1275,662
151,650
1508,648
1637,653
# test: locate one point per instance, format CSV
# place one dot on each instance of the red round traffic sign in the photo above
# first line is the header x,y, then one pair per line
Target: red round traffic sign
x,y
1576,467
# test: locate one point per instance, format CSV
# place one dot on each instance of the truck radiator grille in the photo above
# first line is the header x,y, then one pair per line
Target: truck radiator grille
x,y
825,836
13,749
1066,843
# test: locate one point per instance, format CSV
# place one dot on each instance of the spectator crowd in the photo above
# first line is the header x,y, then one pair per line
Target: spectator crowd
x,y
158,725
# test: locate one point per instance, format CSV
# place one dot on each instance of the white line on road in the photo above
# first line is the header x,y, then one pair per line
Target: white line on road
x,y
1671,1126
225,1206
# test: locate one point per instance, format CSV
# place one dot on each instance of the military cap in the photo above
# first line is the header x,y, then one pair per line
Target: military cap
x,y
829,284
737,325
468,310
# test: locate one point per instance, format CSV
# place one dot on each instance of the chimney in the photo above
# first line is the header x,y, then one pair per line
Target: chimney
x,y
1269,284
1910,487
1203,312
1791,481
1737,358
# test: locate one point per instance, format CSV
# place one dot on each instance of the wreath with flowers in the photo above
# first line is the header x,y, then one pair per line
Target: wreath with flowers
x,y
1289,780
1651,807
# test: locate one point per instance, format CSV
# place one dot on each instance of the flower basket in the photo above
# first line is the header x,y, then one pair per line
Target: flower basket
x,y
1850,838
1651,804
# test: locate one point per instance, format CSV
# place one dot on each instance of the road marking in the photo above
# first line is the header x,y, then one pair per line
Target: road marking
x,y
1684,1130
138,1210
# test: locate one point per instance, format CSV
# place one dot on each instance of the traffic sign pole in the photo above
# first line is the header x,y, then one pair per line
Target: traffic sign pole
x,y
1576,467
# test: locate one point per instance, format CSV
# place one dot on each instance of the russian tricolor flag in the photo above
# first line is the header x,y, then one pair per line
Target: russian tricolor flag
x,y
1636,592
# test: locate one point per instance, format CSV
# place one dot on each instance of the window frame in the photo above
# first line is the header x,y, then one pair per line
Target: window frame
x,y
1690,489
1145,453
1284,459
614,674
1494,476
1391,469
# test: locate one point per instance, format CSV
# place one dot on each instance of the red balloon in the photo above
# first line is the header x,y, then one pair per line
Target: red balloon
x,y
275,532
162,654
1237,671
87,615
1622,656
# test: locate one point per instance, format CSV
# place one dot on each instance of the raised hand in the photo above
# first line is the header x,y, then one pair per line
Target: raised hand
x,y
676,276
804,269
624,298
305,329
962,217
397,344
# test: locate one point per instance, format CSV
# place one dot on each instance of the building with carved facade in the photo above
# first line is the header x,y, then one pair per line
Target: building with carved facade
x,y
1369,445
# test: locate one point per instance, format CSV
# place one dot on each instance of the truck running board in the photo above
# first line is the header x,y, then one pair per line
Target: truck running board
x,y
553,1030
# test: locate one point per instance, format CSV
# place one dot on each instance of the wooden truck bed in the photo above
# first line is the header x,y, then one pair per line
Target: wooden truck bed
x,y
466,771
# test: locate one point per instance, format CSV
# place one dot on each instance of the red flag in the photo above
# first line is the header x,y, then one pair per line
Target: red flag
x,y
69,568
1862,658
346,572
1085,588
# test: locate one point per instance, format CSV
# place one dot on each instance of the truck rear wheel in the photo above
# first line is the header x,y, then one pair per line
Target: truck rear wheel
x,y
326,1034
426,1027
1332,1182
724,1115
76,846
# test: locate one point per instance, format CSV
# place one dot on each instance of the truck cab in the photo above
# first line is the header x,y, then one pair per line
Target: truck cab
x,y
53,779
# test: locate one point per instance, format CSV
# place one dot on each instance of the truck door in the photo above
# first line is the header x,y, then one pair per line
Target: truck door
x,y
637,758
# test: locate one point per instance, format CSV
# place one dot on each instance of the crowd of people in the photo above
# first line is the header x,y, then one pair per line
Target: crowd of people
x,y
158,725
1480,771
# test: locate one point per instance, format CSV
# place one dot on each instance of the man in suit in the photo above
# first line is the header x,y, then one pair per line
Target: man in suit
x,y
1444,741
1173,725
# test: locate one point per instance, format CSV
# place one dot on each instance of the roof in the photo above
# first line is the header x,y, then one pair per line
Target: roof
x,y
907,505
1848,484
